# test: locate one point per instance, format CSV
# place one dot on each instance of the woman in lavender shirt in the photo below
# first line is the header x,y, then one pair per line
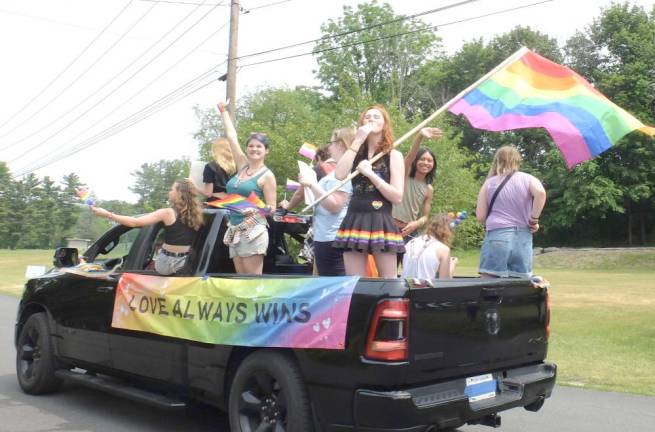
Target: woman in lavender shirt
x,y
513,218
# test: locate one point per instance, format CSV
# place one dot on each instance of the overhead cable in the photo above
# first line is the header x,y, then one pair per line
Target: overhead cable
x,y
63,71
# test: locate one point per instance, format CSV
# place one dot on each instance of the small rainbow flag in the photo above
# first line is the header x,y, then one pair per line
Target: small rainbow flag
x,y
292,185
84,194
533,91
236,202
308,150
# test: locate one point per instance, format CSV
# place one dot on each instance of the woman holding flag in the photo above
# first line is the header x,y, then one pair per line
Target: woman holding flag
x,y
368,226
247,233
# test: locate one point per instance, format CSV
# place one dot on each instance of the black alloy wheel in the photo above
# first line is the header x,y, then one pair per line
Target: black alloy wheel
x,y
268,394
35,361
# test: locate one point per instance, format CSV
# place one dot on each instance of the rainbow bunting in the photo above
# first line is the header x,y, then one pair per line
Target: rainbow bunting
x,y
308,150
535,92
292,185
238,202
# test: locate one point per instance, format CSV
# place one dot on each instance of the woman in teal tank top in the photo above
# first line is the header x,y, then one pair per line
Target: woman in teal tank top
x,y
247,234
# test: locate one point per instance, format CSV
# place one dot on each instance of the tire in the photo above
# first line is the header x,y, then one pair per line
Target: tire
x,y
268,394
35,358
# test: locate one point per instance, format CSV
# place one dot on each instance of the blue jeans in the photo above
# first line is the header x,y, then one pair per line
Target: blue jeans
x,y
507,252
328,259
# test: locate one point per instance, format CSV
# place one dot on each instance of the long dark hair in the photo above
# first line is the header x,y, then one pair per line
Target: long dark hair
x,y
429,177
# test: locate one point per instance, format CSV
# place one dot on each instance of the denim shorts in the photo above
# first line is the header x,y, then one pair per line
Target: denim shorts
x,y
168,265
507,252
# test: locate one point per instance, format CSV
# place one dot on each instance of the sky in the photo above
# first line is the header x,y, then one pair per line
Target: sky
x,y
75,70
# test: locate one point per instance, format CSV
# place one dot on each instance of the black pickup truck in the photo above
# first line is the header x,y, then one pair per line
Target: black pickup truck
x,y
417,356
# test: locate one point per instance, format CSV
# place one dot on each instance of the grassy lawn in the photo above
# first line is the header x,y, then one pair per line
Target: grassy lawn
x,y
602,316
602,305
13,264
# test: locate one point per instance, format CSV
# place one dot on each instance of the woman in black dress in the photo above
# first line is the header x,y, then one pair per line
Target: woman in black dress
x,y
368,226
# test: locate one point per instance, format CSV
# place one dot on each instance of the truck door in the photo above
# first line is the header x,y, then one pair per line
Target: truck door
x,y
84,310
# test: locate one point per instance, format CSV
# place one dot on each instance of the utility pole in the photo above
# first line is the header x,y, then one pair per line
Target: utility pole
x,y
231,58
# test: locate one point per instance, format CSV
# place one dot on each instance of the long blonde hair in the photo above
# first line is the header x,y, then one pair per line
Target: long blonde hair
x,y
439,228
343,137
223,155
506,160
186,205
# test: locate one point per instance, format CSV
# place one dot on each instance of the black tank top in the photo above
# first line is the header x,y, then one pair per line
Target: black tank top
x,y
366,197
178,234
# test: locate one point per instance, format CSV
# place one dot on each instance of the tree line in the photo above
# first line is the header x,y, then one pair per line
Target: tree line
x,y
606,201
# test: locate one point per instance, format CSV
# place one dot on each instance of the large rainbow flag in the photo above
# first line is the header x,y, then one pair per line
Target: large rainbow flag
x,y
533,91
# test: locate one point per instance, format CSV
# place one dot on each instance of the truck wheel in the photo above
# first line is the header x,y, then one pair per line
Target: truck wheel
x,y
35,358
268,394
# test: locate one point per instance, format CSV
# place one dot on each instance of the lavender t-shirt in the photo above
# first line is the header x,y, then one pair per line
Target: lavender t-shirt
x,y
513,205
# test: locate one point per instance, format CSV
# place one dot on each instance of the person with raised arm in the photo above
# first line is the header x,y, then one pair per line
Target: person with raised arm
x,y
247,233
420,168
181,222
368,226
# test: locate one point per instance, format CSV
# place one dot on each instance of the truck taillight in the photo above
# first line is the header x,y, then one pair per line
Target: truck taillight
x,y
388,336
547,316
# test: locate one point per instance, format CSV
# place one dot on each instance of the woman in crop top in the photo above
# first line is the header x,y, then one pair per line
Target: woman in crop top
x,y
181,222
247,233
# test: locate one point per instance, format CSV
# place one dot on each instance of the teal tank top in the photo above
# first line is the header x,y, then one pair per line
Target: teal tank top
x,y
244,188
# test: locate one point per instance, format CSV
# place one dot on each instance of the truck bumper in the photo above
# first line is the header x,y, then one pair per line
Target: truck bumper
x,y
446,405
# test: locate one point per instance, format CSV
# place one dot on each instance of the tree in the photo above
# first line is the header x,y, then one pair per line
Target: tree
x,y
617,51
154,180
374,64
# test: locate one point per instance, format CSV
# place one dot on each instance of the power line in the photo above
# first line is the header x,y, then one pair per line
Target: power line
x,y
76,79
156,106
77,57
169,99
144,88
395,35
30,149
395,20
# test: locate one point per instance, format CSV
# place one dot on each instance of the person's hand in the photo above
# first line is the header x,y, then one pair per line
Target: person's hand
x,y
453,264
534,227
284,204
365,168
409,228
431,133
221,107
362,133
306,180
249,212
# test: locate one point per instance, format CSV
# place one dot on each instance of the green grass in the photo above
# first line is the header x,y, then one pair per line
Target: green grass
x,y
13,264
602,309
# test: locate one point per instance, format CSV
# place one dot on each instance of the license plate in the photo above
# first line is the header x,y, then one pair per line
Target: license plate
x,y
480,387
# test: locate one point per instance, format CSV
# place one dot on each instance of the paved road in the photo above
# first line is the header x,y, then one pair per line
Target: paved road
x,y
77,409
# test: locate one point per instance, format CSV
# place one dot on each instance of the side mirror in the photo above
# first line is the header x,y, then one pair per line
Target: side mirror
x,y
66,257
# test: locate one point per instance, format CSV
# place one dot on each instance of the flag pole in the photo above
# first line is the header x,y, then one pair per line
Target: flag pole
x,y
419,126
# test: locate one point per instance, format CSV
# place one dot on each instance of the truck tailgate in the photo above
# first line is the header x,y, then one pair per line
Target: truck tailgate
x,y
476,325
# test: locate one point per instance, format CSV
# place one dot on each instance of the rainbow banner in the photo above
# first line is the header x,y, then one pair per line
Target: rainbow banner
x,y
308,150
308,312
535,92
